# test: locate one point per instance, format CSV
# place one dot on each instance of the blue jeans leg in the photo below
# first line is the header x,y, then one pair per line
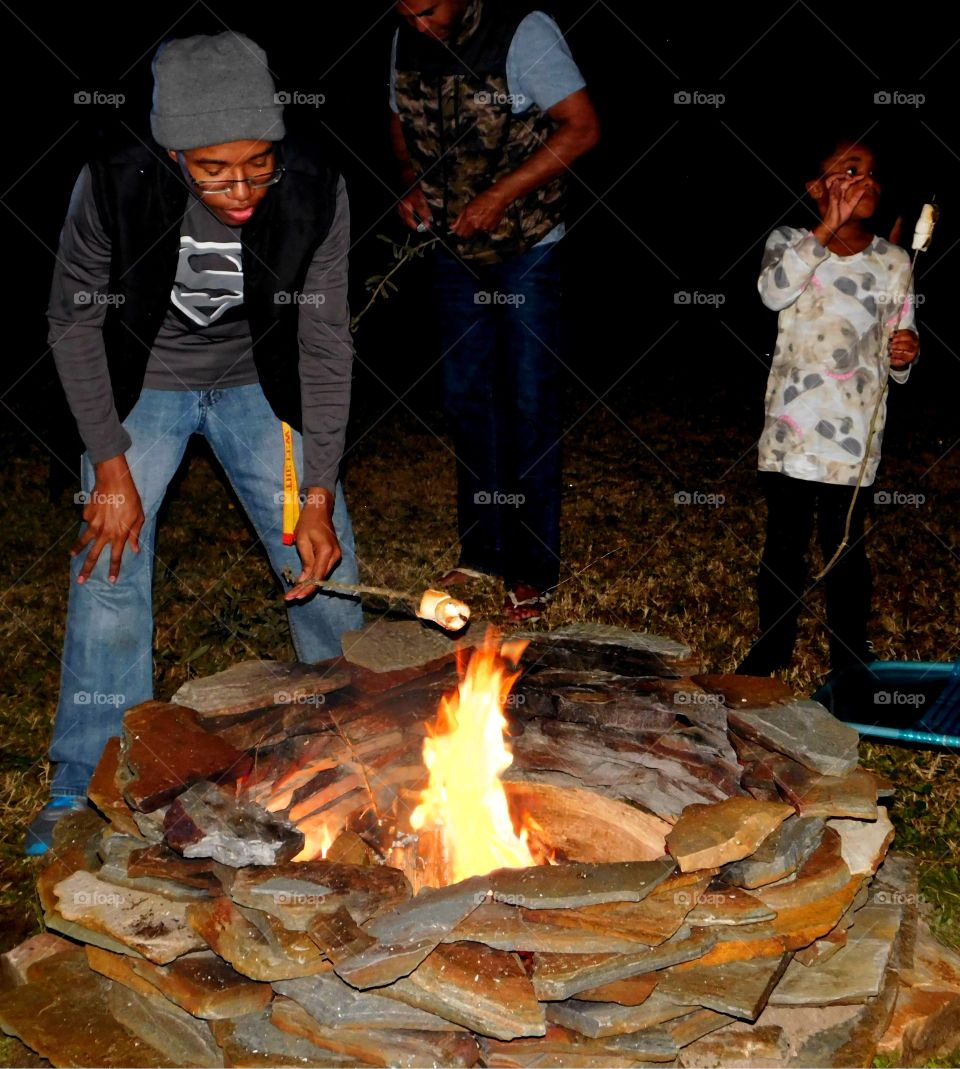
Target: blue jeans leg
x,y
246,438
107,663
468,342
529,409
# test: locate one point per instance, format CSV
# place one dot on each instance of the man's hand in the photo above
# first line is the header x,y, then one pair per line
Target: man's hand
x,y
483,213
904,349
414,209
114,517
316,542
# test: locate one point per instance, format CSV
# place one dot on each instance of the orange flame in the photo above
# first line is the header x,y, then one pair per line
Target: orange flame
x,y
466,755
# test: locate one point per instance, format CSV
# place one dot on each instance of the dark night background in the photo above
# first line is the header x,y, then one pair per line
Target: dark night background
x,y
676,198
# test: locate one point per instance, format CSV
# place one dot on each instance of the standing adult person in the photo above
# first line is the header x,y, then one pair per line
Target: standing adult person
x,y
200,288
489,113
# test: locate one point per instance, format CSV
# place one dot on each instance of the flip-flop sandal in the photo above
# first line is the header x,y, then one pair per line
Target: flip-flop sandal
x,y
515,609
460,577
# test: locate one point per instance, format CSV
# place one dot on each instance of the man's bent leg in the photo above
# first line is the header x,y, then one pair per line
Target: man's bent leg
x,y
107,664
246,438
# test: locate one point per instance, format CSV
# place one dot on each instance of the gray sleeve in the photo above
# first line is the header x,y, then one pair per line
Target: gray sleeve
x,y
75,316
540,67
394,106
326,352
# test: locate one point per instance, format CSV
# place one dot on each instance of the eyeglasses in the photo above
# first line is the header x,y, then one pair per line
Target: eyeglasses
x,y
258,181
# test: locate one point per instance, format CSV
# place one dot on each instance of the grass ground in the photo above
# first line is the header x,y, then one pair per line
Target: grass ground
x,y
632,556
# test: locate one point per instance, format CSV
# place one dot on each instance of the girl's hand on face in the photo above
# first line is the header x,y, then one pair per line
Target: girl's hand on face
x,y
844,193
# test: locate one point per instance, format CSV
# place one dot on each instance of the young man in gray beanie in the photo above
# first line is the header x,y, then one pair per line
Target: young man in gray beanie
x,y
200,288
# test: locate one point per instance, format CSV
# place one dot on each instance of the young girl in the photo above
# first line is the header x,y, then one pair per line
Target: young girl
x,y
841,291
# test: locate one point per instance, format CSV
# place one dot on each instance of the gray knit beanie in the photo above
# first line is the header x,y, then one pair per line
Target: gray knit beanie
x,y
212,90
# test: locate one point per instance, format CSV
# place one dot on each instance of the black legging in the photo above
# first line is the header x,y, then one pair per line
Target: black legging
x,y
792,505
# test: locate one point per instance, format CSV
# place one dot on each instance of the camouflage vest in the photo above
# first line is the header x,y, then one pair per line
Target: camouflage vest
x,y
461,133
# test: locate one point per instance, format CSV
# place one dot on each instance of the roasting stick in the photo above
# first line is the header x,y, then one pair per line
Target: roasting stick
x,y
921,242
435,606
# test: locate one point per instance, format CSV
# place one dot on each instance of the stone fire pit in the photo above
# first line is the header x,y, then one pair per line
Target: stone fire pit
x,y
718,890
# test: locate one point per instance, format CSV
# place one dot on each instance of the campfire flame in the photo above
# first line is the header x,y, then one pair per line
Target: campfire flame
x,y
465,755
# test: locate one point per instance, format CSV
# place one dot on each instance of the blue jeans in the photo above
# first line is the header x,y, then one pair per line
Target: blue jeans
x,y
500,336
108,648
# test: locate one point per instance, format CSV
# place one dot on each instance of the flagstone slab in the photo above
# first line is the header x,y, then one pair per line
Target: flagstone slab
x,y
573,885
104,790
296,892
688,1029
62,1014
863,846
15,963
603,1020
633,991
254,1041
254,946
732,906
335,1004
253,685
560,976
76,838
778,856
338,935
740,1044
815,795
855,973
400,644
116,852
738,988
711,835
600,635
150,924
482,989
159,861
202,983
562,1047
166,1027
823,948
166,750
402,1048
407,934
207,820
803,730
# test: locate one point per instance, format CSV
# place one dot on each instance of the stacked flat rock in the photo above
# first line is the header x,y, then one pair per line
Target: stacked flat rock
x,y
698,896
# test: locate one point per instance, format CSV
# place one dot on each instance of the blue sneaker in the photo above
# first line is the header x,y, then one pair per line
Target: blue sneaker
x,y
40,832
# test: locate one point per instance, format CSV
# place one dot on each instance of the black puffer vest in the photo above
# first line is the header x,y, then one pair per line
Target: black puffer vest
x,y
461,133
141,197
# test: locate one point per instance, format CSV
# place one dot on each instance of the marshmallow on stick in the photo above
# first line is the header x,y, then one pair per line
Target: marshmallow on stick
x,y
925,224
438,607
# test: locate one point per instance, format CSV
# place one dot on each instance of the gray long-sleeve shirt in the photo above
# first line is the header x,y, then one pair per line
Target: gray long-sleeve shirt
x,y
204,341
